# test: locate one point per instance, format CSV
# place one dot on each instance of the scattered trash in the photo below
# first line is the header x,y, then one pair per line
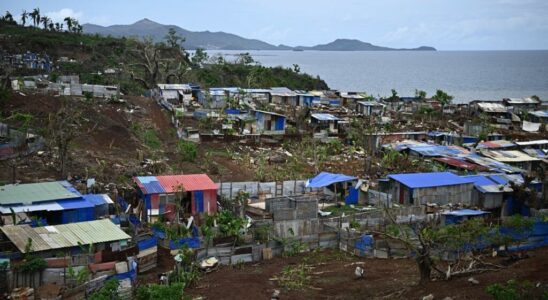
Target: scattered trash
x,y
473,280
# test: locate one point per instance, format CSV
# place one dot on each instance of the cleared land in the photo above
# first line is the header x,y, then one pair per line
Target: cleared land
x,y
332,277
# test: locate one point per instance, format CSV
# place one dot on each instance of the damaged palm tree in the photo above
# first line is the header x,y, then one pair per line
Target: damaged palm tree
x,y
63,128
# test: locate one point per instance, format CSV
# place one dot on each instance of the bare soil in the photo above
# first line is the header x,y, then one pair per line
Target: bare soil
x,y
333,278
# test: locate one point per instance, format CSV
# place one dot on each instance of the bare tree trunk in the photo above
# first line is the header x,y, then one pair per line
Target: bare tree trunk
x,y
424,262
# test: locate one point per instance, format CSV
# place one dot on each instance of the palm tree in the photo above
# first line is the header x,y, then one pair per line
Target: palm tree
x,y
24,16
69,20
51,26
58,26
45,21
35,15
443,98
8,17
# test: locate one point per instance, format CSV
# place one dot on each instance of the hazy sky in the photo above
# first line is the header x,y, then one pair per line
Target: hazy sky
x,y
444,24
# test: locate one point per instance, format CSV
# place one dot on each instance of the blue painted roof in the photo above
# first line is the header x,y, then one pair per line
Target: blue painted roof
x,y
325,179
146,179
95,199
153,187
466,212
481,180
434,179
75,203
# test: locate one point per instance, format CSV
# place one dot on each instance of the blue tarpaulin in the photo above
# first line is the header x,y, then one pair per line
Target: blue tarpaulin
x,y
190,242
365,245
148,243
352,197
325,179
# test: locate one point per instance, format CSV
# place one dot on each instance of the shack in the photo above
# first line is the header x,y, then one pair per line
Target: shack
x,y
539,116
350,99
488,191
369,108
269,123
47,241
161,195
426,188
55,202
519,105
283,96
339,185
325,122
513,158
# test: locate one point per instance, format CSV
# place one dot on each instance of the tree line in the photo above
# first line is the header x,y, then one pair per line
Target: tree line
x,y
35,19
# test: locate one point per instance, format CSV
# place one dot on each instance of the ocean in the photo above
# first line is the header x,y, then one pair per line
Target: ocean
x,y
467,75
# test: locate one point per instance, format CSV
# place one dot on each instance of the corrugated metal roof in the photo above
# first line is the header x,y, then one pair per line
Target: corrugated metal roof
x,y
495,144
530,143
508,156
459,163
465,212
175,86
527,100
98,199
268,113
493,107
424,180
370,103
34,192
540,113
45,206
194,182
64,236
325,117
75,203
282,91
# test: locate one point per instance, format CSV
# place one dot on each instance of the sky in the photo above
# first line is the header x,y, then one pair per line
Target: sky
x,y
444,24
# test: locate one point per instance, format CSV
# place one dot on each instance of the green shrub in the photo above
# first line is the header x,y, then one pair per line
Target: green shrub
x,y
157,292
107,292
187,150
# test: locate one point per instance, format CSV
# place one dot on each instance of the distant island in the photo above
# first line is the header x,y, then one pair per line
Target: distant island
x,y
226,41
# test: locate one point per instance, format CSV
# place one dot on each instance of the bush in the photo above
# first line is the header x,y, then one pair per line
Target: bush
x,y
187,150
511,290
157,292
151,139
107,292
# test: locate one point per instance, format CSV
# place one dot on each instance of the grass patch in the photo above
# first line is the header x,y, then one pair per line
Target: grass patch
x,y
295,277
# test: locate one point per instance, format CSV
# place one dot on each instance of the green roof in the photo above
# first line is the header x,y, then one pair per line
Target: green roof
x,y
64,236
34,192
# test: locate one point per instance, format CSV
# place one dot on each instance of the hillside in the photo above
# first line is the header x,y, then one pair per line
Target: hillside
x,y
95,53
199,39
225,41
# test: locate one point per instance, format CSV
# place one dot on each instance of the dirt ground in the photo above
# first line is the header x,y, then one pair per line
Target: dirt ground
x,y
332,277
107,148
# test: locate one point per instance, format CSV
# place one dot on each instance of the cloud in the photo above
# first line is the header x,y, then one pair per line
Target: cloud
x,y
60,15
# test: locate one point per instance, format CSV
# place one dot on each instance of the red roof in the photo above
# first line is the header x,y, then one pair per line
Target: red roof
x,y
193,182
460,164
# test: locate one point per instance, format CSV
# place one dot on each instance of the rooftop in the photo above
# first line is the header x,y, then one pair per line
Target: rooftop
x,y
169,183
324,117
64,236
34,192
425,180
492,107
